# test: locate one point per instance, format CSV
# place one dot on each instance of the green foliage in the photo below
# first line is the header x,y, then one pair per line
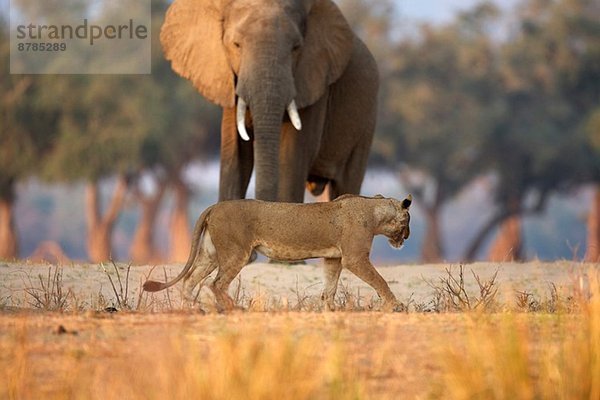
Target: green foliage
x,y
189,125
548,87
24,139
103,122
456,102
442,102
124,124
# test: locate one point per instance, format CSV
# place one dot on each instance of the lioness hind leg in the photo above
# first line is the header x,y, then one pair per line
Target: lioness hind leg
x,y
363,269
220,286
333,268
204,264
200,273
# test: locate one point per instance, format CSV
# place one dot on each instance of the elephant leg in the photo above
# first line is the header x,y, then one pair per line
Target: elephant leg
x,y
333,268
237,158
351,176
298,150
351,119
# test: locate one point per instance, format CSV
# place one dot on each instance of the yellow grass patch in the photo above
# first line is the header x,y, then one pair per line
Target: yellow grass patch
x,y
306,355
515,356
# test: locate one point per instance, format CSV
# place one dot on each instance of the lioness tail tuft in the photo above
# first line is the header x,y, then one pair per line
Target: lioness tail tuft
x,y
153,286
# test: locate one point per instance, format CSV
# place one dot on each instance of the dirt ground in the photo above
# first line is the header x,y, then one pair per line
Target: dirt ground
x,y
283,283
396,355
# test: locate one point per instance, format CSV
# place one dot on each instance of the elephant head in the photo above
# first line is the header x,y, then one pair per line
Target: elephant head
x,y
263,56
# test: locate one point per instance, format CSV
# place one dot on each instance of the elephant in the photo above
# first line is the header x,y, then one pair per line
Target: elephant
x,y
298,90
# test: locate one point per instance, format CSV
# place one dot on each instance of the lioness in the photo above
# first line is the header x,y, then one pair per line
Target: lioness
x,y
340,231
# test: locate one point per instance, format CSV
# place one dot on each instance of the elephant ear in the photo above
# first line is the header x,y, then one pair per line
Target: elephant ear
x,y
328,44
191,38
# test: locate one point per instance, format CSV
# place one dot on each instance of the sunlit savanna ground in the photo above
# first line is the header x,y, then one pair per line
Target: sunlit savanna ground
x,y
537,337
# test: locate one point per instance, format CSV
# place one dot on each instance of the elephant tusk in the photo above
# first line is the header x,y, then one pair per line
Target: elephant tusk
x,y
241,119
294,116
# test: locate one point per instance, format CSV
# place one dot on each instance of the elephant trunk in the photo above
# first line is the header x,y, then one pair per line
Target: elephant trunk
x,y
267,131
268,90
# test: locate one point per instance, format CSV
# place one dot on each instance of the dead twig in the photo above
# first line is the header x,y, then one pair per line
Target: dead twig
x,y
167,291
122,294
450,293
50,294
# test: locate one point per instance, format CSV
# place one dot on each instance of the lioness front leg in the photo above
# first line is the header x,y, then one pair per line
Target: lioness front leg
x,y
362,268
333,268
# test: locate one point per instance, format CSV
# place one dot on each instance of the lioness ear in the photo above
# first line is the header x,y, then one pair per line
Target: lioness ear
x,y
407,202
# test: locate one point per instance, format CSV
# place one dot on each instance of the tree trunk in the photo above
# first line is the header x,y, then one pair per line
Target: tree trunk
x,y
180,235
473,248
9,247
100,227
508,245
142,250
593,230
99,242
431,251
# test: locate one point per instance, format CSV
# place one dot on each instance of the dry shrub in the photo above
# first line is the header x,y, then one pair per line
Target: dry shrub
x,y
552,302
50,294
450,292
525,356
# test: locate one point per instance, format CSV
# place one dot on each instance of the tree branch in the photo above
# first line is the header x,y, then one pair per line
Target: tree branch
x,y
116,203
502,215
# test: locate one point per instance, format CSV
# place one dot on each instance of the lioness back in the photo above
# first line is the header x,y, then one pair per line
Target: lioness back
x,y
259,221
289,231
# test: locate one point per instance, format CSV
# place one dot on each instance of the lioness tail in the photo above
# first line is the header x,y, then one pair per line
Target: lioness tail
x,y
154,286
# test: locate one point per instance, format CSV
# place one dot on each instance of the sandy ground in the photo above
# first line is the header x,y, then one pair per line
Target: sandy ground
x,y
396,355
286,283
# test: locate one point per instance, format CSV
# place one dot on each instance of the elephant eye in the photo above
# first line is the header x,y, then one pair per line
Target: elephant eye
x,y
237,45
296,47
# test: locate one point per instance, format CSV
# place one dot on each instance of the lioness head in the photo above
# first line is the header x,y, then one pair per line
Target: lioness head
x,y
401,222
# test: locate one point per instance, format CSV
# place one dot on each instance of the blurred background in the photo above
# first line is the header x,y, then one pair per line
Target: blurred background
x,y
489,115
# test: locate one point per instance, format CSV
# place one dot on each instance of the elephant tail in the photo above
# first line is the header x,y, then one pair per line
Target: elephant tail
x,y
199,228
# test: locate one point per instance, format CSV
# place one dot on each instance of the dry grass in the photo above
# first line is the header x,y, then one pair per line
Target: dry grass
x,y
510,357
249,363
553,352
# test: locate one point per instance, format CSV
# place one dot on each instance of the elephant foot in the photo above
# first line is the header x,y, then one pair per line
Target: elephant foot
x,y
316,185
